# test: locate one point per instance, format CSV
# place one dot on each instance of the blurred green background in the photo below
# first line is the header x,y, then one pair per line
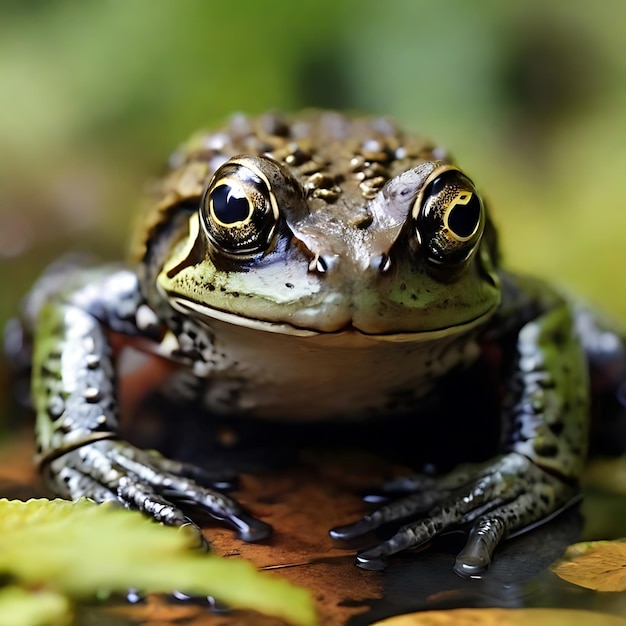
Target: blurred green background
x,y
530,98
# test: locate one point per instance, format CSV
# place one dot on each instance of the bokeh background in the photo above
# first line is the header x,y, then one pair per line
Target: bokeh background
x,y
530,97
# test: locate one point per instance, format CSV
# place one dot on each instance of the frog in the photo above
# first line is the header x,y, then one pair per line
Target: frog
x,y
322,267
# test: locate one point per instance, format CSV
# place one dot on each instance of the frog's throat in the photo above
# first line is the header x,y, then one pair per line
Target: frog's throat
x,y
202,311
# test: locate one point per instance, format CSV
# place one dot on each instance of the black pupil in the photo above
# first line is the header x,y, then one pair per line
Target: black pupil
x,y
227,208
463,219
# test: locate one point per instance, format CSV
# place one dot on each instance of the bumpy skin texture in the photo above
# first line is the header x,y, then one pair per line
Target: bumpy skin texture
x,y
361,247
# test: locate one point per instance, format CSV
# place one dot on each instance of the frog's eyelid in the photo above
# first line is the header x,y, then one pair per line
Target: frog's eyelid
x,y
436,173
251,165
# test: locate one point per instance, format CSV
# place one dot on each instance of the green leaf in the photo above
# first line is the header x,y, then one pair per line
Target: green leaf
x,y
19,606
82,549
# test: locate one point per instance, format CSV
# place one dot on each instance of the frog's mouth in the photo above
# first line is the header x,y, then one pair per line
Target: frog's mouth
x,y
201,311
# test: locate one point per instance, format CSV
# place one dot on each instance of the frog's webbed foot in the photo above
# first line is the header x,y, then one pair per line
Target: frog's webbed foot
x,y
498,498
111,470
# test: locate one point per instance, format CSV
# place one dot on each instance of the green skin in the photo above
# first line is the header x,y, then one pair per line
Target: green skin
x,y
366,249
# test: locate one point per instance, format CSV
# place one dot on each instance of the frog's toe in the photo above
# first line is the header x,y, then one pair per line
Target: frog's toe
x,y
398,488
113,470
417,533
248,528
375,558
138,495
485,535
537,506
445,504
74,484
505,497
403,486
408,507
416,495
409,536
156,470
223,480
216,504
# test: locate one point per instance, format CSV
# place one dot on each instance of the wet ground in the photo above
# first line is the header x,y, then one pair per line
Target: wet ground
x,y
313,488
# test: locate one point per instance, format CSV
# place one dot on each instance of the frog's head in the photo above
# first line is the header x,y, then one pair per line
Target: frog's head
x,y
267,251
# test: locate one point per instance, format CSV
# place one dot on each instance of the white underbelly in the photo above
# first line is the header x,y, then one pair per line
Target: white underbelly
x,y
344,375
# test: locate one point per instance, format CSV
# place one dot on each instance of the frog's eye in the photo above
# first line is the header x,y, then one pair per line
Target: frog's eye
x,y
449,217
239,210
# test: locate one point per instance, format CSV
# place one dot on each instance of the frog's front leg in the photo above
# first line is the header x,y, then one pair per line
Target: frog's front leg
x,y
79,450
545,418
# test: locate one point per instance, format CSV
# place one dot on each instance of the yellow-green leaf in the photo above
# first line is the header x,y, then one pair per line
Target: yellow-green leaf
x,y
81,549
42,608
599,565
504,617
